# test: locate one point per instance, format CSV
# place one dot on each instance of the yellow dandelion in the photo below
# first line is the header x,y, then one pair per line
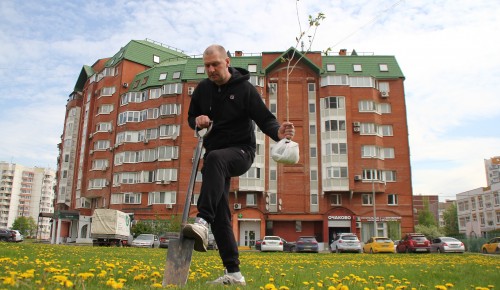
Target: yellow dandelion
x,y
270,286
449,285
284,288
156,285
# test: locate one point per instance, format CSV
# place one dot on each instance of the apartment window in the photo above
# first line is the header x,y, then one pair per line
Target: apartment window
x,y
367,199
169,131
163,76
172,89
330,67
156,59
312,108
314,175
200,69
389,175
480,201
132,198
372,174
313,152
383,67
162,197
273,108
155,93
108,91
298,226
272,174
151,113
336,172
362,82
385,130
498,217
166,174
392,199
251,199
103,127
370,151
334,125
168,152
312,129
388,153
314,199
336,199
170,109
367,106
101,145
105,109
384,108
99,164
253,172
311,87
336,149
383,87
176,75
337,80
496,198
334,103
252,68
368,128
357,67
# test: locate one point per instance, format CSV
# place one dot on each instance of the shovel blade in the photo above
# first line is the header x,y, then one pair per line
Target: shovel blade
x,y
179,256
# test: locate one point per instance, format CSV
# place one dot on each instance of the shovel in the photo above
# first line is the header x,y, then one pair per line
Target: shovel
x,y
180,250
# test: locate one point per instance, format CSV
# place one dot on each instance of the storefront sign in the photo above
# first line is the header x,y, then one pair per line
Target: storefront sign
x,y
339,217
381,219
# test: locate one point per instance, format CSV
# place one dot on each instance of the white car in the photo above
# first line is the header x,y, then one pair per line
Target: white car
x,y
146,241
346,242
271,244
18,237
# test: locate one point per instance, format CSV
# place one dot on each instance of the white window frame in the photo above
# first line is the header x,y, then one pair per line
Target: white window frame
x,y
336,199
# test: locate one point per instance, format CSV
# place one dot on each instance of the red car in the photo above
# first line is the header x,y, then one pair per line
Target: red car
x,y
413,243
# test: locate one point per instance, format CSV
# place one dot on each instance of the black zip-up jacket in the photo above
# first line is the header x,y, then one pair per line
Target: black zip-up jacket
x,y
232,107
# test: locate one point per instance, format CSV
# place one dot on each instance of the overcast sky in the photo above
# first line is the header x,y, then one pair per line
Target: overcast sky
x,y
448,50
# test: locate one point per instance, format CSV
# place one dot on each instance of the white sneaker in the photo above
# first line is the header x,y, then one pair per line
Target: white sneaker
x,y
199,232
229,279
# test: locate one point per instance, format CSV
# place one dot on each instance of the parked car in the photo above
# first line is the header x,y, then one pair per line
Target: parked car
x,y
271,244
17,236
307,244
288,246
146,241
212,245
165,238
346,242
413,243
447,245
6,235
378,245
258,244
492,246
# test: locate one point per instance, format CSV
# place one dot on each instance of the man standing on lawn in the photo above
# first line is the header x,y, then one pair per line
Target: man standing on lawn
x,y
231,104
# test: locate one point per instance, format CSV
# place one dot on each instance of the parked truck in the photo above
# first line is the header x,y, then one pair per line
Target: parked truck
x,y
110,227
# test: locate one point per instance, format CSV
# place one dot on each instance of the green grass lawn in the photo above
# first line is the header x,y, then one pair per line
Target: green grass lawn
x,y
41,266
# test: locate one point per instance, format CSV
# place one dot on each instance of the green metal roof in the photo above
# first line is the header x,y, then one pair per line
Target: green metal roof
x,y
142,51
85,73
288,54
369,64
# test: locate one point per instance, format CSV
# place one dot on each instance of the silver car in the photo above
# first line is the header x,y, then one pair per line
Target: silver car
x,y
447,245
146,241
346,242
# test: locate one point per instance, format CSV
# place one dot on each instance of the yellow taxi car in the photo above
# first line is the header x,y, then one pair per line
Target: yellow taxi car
x,y
492,246
378,245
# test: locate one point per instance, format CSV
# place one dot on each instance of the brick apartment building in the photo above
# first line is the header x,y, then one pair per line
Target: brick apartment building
x,y
127,145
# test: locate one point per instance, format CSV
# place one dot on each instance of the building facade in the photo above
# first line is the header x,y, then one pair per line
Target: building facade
x,y
478,210
127,145
492,167
29,192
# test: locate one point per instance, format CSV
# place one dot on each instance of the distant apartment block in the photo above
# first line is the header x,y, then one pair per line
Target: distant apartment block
x,y
492,167
425,202
479,210
29,192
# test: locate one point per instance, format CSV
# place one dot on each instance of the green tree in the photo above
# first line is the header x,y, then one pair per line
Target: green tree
x,y
25,225
450,218
430,232
425,217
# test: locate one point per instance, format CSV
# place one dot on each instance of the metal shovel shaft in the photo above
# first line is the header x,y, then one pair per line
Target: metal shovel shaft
x,y
180,250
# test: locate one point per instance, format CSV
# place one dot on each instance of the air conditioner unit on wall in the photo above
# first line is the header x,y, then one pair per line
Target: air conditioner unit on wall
x,y
168,205
356,129
358,177
384,94
125,85
190,90
356,124
237,206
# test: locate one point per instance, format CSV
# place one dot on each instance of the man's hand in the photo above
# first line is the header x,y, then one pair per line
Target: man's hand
x,y
286,130
202,121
